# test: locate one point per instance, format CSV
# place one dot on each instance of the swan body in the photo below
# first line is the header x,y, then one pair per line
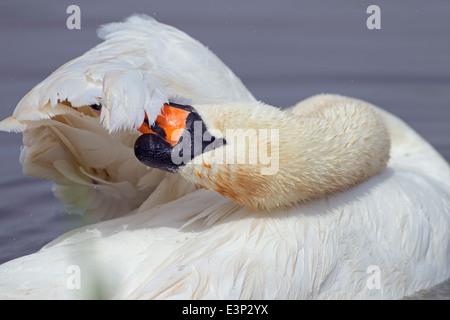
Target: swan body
x,y
159,236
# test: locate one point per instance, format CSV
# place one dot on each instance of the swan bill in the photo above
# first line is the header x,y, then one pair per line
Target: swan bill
x,y
170,124
155,152
176,137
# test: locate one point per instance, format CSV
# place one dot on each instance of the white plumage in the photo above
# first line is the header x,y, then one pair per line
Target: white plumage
x,y
141,65
169,239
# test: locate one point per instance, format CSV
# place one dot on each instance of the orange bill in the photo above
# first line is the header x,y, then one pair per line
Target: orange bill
x,y
172,121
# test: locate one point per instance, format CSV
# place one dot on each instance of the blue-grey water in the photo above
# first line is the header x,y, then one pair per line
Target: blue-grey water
x,y
283,51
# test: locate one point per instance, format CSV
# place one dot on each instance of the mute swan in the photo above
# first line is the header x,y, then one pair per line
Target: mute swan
x,y
359,206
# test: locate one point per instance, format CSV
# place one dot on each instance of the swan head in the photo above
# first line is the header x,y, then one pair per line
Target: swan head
x,y
175,138
262,157
216,147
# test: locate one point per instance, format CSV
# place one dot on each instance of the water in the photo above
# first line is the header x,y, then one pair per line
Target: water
x,y
284,51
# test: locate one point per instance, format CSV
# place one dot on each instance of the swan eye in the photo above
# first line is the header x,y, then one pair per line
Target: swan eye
x,y
96,107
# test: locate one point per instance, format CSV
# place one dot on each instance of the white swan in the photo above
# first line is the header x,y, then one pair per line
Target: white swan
x,y
353,229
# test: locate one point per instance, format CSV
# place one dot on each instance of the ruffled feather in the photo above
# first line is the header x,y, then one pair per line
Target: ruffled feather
x,y
141,65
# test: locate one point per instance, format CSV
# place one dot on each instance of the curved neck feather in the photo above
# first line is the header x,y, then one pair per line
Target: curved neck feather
x,y
312,154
